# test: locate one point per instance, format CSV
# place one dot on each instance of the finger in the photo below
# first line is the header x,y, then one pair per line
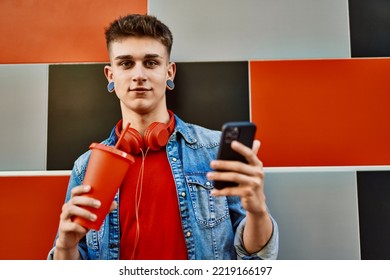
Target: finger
x,y
76,207
113,206
237,178
85,201
70,210
80,190
233,191
256,146
72,227
228,165
247,152
252,178
233,177
235,166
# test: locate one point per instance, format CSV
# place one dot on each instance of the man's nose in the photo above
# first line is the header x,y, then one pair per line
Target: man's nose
x,y
138,73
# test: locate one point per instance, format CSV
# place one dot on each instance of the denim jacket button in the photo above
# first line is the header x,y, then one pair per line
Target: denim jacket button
x,y
183,194
188,233
174,159
208,184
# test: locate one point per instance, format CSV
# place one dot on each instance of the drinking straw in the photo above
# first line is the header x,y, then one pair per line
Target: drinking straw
x,y
121,136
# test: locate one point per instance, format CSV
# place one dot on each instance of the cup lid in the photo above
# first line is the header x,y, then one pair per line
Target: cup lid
x,y
112,149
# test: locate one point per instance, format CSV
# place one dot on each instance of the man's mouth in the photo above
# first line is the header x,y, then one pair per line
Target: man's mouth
x,y
140,89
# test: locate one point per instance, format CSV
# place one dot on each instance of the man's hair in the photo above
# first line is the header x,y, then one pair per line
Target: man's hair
x,y
139,26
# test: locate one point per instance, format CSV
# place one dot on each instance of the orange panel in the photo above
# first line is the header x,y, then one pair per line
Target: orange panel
x,y
322,112
30,208
59,31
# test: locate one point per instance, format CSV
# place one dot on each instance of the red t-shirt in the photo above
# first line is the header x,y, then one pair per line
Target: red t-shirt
x,y
160,234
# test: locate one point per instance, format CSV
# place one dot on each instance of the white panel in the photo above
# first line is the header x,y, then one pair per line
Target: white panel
x,y
317,213
23,122
229,30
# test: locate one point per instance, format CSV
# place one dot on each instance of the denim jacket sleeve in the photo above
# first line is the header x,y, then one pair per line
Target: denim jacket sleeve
x,y
268,252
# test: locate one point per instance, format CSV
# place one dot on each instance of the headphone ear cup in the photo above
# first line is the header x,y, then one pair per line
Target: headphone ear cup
x,y
156,136
132,142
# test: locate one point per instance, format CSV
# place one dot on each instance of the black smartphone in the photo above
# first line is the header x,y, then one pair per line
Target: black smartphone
x,y
243,132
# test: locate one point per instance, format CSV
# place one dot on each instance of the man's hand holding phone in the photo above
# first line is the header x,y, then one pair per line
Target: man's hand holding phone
x,y
245,178
237,170
243,132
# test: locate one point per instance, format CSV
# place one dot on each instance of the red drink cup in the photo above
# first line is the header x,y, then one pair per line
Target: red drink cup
x,y
106,169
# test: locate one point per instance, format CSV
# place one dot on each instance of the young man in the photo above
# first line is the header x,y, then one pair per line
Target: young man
x,y
166,207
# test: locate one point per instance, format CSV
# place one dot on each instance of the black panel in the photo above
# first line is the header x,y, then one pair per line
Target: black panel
x,y
80,111
374,214
211,93
370,28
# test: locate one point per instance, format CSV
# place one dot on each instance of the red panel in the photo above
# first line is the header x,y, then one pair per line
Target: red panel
x,y
30,208
322,112
59,31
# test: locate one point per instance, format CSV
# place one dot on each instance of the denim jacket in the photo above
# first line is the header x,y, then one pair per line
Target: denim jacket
x,y
212,226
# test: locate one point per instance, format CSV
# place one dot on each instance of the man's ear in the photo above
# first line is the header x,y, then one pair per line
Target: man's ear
x,y
171,70
108,73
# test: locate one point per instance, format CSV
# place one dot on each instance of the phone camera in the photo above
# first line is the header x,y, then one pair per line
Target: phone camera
x,y
232,134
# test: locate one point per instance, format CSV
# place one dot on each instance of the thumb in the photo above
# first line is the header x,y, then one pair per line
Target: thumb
x,y
256,146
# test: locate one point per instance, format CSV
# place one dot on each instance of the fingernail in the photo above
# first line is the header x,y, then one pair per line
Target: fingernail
x,y
93,217
87,188
96,203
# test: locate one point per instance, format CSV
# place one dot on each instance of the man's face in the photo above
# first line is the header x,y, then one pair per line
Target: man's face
x,y
139,68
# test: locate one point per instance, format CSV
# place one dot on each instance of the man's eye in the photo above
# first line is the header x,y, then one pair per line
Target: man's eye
x,y
125,64
151,63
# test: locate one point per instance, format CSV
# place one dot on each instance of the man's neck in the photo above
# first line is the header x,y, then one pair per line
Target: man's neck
x,y
140,122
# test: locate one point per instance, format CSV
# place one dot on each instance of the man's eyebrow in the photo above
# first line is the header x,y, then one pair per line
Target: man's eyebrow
x,y
125,56
148,55
153,55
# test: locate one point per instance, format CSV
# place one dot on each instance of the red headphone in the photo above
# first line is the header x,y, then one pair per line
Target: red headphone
x,y
155,137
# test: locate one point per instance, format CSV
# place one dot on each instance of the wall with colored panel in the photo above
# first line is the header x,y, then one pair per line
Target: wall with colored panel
x,y
293,68
30,209
322,112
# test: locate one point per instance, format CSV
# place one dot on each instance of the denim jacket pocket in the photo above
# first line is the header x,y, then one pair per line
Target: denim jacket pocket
x,y
209,210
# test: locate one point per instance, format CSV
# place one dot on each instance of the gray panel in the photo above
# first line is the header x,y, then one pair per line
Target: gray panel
x,y
317,214
23,122
206,30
